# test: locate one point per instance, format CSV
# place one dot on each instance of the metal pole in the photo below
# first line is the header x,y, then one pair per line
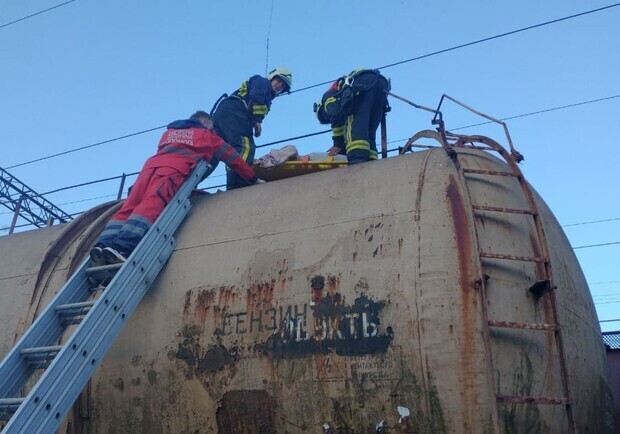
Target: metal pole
x,y
16,214
122,187
383,137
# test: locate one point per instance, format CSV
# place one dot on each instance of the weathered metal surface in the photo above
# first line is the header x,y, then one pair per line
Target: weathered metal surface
x,y
341,302
522,325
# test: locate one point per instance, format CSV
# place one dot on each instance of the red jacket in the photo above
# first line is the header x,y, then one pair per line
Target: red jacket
x,y
186,142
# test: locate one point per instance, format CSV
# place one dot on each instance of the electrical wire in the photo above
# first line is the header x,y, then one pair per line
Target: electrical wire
x,y
539,112
478,41
381,67
596,245
592,222
268,34
35,14
85,147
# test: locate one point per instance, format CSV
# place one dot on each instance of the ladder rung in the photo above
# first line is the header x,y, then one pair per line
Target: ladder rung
x,y
514,399
513,257
53,349
8,406
102,268
507,210
522,325
11,402
75,306
489,172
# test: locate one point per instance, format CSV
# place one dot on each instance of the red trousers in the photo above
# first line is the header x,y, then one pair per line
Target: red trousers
x,y
150,194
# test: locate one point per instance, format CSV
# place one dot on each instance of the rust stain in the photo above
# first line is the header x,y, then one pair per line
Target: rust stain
x,y
260,295
187,304
540,267
246,411
333,284
465,247
204,300
546,302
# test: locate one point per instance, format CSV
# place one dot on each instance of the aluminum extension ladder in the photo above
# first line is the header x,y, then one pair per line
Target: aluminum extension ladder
x,y
68,367
543,289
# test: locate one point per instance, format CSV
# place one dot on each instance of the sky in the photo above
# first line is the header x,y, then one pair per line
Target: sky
x,y
90,71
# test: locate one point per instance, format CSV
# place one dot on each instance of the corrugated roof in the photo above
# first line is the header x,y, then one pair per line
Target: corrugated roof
x,y
612,340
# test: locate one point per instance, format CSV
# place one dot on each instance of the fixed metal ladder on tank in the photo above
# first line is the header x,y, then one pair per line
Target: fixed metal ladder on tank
x,y
543,289
69,366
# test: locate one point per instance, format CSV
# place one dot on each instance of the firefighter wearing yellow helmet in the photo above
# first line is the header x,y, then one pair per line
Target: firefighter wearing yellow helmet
x,y
238,118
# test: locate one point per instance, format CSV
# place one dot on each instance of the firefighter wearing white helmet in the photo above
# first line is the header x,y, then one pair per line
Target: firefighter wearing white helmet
x,y
238,118
283,74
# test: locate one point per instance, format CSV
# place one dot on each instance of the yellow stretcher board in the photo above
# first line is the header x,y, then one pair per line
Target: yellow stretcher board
x,y
296,168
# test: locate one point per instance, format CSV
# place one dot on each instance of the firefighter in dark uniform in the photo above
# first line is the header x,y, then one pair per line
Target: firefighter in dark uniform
x,y
354,106
238,114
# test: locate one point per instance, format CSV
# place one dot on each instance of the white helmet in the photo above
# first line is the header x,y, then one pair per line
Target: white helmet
x,y
283,74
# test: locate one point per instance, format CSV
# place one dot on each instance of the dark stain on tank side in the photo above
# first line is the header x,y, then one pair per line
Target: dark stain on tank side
x,y
198,359
119,384
136,381
152,377
317,283
370,238
465,249
333,327
246,411
135,360
214,359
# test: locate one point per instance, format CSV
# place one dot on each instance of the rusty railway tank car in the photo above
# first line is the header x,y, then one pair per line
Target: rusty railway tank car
x,y
355,300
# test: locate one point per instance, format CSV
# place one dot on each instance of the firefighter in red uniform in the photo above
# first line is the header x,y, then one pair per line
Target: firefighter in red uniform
x,y
238,114
354,106
180,148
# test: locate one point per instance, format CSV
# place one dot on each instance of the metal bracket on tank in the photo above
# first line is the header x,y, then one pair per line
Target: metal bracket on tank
x,y
541,288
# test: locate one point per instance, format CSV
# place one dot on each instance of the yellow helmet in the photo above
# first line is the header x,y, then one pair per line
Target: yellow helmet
x,y
283,74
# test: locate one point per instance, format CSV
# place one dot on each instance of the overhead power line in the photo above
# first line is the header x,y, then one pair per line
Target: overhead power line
x,y
539,112
298,137
85,147
478,41
596,245
35,14
592,222
381,67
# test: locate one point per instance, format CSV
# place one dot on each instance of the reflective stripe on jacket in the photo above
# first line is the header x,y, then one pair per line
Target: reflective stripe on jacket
x,y
257,95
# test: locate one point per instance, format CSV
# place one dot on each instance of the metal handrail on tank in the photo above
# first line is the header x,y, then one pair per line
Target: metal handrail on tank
x,y
518,157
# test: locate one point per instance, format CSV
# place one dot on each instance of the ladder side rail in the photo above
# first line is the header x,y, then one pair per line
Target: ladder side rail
x,y
46,330
168,221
